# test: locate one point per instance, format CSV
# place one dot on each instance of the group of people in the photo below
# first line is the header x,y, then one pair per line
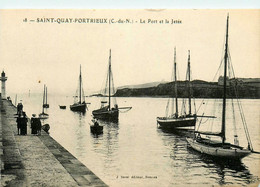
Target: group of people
x,y
36,125
22,120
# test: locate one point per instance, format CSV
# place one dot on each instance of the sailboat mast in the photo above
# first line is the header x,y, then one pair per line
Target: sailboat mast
x,y
46,95
80,84
223,128
43,99
109,72
175,79
189,83
15,99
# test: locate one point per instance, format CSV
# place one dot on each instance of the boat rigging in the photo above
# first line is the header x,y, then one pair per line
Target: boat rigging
x,y
174,120
204,141
44,115
79,100
107,110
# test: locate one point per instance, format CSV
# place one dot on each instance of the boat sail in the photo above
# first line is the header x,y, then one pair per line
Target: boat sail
x,y
206,142
174,120
106,111
43,115
45,97
79,100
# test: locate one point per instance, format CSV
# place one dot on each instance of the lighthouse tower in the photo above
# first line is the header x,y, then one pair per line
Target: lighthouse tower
x,y
3,79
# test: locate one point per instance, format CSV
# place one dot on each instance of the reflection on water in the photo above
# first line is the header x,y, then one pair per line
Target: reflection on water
x,y
226,170
127,153
197,165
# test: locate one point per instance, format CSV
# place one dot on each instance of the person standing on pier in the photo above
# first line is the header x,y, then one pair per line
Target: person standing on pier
x,y
24,121
19,108
38,125
19,124
33,124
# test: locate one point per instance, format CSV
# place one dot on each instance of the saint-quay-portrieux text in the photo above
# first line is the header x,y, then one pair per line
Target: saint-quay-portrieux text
x,y
102,21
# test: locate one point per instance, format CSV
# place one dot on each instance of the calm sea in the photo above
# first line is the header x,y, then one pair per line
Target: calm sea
x,y
134,152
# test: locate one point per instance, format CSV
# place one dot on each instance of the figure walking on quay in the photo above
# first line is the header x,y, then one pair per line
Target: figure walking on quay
x,y
19,123
19,108
38,125
33,124
24,121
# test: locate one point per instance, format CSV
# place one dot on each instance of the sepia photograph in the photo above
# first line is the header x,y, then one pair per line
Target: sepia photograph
x,y
120,97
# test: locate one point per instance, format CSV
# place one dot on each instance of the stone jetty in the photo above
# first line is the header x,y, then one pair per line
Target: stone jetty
x,y
37,160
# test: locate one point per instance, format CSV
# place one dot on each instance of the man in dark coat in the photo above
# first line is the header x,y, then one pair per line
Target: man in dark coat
x,y
24,121
33,124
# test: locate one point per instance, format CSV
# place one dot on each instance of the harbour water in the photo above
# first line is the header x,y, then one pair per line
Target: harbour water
x,y
134,152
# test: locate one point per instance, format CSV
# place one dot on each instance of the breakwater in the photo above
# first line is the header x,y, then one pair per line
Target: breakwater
x,y
37,160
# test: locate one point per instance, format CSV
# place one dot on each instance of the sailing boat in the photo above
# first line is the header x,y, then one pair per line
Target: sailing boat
x,y
43,115
106,111
216,148
79,104
45,102
174,120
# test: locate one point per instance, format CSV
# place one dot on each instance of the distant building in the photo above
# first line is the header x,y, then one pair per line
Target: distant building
x,y
255,82
221,81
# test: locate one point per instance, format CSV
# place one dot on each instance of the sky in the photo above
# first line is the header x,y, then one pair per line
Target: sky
x,y
134,4
37,53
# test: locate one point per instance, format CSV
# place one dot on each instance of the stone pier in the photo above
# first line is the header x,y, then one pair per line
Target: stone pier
x,y
37,160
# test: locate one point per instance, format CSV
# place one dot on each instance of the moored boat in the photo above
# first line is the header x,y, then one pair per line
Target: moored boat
x,y
62,106
108,111
45,98
79,104
174,120
96,128
44,115
218,149
206,141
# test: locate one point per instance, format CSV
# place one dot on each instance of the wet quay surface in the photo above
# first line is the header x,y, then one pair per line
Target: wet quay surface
x,y
37,160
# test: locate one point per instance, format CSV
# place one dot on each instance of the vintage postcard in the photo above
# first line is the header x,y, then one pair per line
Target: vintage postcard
x,y
152,97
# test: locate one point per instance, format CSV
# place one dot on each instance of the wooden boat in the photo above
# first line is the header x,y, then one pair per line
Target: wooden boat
x,y
79,104
43,115
106,111
62,106
174,120
216,148
45,97
96,129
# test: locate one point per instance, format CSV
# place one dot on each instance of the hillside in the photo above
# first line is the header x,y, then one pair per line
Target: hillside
x,y
146,85
201,89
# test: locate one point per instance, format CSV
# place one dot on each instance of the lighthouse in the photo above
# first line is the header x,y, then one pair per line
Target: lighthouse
x,y
3,79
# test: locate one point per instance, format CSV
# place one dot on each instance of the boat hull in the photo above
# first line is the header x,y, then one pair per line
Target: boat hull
x,y
96,129
220,152
43,116
176,123
62,107
111,115
78,107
